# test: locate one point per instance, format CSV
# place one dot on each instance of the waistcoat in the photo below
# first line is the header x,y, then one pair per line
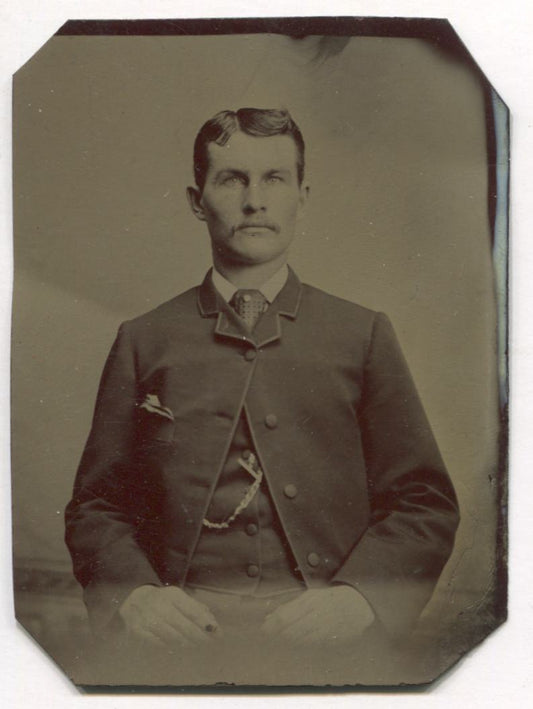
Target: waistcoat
x,y
252,555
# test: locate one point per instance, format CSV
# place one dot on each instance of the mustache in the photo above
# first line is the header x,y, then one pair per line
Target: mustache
x,y
262,224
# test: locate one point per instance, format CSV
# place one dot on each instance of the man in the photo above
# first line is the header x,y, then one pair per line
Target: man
x,y
259,459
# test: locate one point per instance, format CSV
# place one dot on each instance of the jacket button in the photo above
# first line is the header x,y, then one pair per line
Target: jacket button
x,y
290,490
252,571
250,355
271,421
313,559
251,529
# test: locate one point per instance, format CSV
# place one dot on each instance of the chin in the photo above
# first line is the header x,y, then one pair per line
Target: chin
x,y
253,256
256,259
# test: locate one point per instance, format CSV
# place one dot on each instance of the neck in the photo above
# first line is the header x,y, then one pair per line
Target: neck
x,y
248,275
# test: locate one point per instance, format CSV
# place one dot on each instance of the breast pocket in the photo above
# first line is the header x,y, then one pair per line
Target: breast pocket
x,y
153,428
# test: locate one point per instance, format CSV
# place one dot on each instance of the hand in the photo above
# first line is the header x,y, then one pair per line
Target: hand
x,y
166,616
338,613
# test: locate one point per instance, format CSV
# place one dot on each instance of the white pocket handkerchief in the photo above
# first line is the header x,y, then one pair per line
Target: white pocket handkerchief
x,y
152,404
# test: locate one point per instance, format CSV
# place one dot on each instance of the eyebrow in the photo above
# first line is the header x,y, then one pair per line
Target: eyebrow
x,y
243,173
231,171
278,170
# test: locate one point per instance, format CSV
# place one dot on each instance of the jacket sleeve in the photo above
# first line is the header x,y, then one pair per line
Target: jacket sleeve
x,y
414,512
103,516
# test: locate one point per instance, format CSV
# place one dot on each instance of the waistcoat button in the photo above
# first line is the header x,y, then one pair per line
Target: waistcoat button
x,y
313,559
251,529
290,490
271,421
246,453
252,571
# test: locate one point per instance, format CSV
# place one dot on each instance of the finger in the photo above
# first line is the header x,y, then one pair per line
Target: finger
x,y
299,606
156,625
279,621
176,632
299,630
191,632
283,614
173,636
167,622
196,612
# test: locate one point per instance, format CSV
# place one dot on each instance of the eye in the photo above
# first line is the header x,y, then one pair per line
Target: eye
x,y
274,179
232,180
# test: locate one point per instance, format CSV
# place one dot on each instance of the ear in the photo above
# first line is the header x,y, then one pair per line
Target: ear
x,y
194,197
304,196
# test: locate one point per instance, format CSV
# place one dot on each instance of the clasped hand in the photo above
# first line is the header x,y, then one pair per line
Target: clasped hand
x,y
339,613
167,616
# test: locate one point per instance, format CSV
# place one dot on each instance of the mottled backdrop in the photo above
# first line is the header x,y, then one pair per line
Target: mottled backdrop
x,y
397,221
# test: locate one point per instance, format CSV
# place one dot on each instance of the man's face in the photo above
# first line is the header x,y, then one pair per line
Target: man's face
x,y
251,198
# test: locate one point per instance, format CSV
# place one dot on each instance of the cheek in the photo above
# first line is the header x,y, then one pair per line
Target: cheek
x,y
290,212
223,212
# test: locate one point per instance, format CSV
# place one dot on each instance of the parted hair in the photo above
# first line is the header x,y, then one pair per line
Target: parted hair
x,y
259,122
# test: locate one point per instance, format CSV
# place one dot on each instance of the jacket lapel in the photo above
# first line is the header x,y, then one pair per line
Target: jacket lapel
x,y
286,304
229,325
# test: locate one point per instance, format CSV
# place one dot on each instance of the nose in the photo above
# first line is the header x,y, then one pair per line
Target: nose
x,y
253,199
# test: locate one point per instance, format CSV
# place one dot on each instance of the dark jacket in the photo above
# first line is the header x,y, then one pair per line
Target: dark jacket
x,y
356,477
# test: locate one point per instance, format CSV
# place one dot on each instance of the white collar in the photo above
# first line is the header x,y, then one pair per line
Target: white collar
x,y
270,289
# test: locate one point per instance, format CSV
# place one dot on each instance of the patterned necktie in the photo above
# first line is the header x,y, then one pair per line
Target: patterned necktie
x,y
249,305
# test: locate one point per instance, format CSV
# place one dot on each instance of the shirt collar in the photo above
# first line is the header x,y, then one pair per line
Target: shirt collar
x,y
270,289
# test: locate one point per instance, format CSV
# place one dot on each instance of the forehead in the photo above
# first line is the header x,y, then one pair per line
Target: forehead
x,y
249,153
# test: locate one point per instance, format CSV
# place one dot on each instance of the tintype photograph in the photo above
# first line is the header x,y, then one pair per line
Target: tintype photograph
x,y
259,383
